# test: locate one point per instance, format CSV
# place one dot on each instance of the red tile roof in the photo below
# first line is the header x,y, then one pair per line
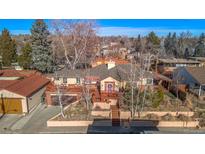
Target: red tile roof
x,y
105,60
6,83
28,86
17,73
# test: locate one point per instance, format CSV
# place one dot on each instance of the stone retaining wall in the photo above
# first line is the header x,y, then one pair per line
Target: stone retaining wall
x,y
126,114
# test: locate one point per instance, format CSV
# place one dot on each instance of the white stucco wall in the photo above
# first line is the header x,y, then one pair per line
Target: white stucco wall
x,y
35,99
110,79
144,82
69,81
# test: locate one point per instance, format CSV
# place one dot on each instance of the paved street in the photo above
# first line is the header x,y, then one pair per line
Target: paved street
x,y
143,130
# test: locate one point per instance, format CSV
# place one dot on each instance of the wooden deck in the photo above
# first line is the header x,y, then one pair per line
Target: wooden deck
x,y
104,96
97,95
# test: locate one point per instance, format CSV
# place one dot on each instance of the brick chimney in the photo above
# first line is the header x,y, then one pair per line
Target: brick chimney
x,y
110,64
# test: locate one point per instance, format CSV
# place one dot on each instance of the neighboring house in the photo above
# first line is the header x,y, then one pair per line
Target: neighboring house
x,y
106,60
20,91
193,78
106,79
200,59
167,66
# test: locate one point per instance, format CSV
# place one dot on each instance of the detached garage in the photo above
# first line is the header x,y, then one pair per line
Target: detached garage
x,y
10,106
23,95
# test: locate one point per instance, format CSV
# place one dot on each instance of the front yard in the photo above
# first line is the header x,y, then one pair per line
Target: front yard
x,y
169,102
77,111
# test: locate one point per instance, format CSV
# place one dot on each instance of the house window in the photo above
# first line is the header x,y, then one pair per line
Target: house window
x,y
149,81
78,80
56,78
64,80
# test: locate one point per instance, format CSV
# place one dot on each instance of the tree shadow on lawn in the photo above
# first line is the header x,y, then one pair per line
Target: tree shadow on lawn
x,y
105,126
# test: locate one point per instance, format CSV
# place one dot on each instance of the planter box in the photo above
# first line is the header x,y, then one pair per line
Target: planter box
x,y
105,114
126,114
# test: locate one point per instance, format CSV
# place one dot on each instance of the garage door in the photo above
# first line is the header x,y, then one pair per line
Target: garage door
x,y
10,106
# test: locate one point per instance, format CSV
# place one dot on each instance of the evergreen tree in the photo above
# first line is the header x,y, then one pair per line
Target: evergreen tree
x,y
137,45
174,46
200,48
184,44
186,53
170,45
167,43
152,43
42,58
157,98
7,48
153,38
24,59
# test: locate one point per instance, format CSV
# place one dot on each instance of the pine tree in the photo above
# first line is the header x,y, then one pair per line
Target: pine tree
x,y
7,48
152,43
138,44
170,44
200,48
42,57
186,53
174,44
24,59
167,43
153,38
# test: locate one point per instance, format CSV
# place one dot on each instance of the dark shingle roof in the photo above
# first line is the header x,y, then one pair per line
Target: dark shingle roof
x,y
119,72
198,73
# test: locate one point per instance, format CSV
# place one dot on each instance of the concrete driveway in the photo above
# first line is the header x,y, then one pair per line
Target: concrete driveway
x,y
38,121
7,121
31,123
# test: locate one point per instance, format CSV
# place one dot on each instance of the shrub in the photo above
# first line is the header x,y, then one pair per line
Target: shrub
x,y
199,114
158,97
152,116
170,95
183,117
168,117
202,122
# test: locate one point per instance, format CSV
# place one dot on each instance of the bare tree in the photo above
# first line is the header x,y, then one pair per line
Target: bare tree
x,y
59,93
77,42
135,80
75,39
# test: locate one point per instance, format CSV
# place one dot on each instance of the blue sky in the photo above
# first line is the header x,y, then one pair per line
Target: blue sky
x,y
130,27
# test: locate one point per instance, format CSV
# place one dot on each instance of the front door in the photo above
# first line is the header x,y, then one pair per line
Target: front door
x,y
109,87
